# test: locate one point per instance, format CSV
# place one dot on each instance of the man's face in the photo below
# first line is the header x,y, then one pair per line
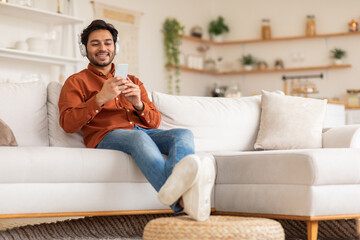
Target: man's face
x,y
100,48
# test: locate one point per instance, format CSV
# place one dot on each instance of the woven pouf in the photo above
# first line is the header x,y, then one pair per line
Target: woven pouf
x,y
216,227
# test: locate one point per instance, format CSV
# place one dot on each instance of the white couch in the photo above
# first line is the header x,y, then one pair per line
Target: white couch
x,y
51,173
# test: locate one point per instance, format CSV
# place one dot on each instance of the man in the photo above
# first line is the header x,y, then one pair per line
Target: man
x,y
116,113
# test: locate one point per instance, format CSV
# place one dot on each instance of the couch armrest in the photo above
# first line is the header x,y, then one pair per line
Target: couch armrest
x,y
347,136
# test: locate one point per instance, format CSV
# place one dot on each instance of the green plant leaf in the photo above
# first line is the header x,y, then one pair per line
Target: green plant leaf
x,y
173,31
218,26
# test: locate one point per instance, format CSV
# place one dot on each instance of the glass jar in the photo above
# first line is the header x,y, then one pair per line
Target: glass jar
x,y
266,29
353,99
233,91
310,25
353,26
26,3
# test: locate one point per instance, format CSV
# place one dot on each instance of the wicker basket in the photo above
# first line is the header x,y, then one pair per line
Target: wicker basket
x,y
216,227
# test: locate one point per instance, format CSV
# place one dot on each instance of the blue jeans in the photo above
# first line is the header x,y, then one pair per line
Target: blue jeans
x,y
146,146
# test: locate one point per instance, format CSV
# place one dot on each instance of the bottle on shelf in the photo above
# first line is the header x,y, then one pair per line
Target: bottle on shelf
x,y
310,25
233,91
353,97
353,26
266,29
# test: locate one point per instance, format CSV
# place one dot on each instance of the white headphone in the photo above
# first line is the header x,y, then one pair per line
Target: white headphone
x,y
83,51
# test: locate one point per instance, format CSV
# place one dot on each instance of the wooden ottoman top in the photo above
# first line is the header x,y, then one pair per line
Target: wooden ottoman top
x,y
216,227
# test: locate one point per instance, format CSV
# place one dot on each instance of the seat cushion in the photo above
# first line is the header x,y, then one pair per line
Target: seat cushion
x,y
23,108
314,182
66,165
299,167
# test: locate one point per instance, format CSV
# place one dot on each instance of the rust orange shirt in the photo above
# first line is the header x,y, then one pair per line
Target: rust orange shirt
x,y
79,110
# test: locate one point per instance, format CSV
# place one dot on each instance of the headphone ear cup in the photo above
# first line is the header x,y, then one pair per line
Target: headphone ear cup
x,y
83,50
82,47
117,47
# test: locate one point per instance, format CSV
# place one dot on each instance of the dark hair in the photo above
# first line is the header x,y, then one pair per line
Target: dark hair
x,y
96,25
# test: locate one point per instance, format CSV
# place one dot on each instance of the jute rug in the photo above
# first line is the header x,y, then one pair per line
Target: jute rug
x,y
346,229
104,227
131,228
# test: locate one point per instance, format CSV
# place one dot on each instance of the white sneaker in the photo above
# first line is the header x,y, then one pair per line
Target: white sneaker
x,y
183,176
197,202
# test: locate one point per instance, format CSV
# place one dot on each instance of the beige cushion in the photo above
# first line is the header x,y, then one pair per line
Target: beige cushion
x,y
289,122
218,124
57,136
311,167
7,137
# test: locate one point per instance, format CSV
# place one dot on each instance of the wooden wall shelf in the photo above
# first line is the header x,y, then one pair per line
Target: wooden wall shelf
x,y
38,57
266,70
352,107
38,15
191,38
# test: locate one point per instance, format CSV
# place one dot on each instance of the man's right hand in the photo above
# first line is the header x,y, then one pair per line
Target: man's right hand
x,y
111,88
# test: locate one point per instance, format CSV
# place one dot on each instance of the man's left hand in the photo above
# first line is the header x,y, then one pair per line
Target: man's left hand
x,y
132,93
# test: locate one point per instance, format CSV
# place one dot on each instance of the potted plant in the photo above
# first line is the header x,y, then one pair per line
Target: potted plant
x,y
217,28
337,54
173,31
248,61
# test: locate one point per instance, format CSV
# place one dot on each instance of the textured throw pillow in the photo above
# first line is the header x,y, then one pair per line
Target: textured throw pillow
x,y
7,137
289,122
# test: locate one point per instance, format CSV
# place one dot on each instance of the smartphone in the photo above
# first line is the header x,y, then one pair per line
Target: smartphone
x,y
121,70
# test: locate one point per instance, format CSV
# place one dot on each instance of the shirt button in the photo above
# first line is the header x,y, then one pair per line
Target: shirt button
x,y
128,110
89,122
96,111
131,122
117,98
142,114
148,121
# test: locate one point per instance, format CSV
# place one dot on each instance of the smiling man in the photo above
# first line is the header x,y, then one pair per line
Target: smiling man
x,y
116,113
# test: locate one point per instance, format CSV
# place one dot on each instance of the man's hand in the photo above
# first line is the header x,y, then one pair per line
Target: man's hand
x,y
114,86
132,94
111,88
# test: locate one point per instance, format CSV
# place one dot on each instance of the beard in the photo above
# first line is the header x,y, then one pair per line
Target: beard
x,y
100,63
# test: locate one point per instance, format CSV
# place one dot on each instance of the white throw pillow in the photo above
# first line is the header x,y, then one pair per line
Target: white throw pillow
x,y
23,108
218,124
58,137
289,122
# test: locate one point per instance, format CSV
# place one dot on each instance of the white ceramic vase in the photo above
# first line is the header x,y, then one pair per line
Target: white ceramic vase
x,y
248,67
338,61
218,38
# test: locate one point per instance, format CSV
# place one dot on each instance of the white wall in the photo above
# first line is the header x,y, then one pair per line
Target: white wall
x,y
151,59
244,19
288,19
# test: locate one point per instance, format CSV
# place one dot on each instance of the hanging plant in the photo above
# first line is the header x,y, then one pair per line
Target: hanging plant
x,y
173,32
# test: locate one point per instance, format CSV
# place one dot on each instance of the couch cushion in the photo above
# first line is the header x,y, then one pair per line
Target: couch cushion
x,y
57,136
7,137
217,123
66,165
297,167
23,108
289,122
